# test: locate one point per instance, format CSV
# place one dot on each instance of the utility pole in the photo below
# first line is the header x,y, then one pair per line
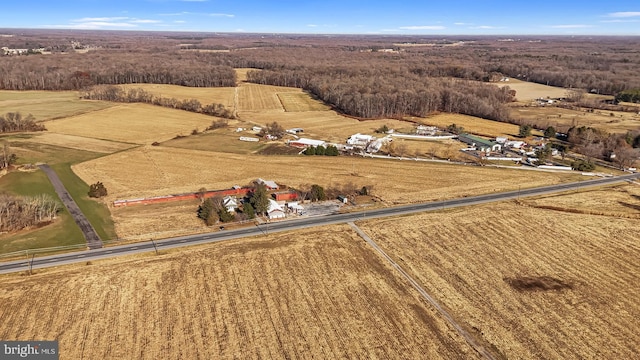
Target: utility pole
x,y
31,264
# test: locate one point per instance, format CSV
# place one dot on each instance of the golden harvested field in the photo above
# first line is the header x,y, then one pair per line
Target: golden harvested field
x,y
528,91
79,142
218,95
536,284
471,124
136,223
132,123
241,74
253,97
318,294
47,105
151,171
444,149
615,201
293,102
565,118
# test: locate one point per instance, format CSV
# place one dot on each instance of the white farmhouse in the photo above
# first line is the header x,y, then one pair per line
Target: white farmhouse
x,y
230,202
360,139
275,211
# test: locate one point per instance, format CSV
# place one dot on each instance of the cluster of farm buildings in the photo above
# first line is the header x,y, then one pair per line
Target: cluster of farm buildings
x,y
498,149
281,204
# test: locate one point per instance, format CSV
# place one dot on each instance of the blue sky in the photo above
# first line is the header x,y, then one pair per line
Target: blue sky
x,y
426,17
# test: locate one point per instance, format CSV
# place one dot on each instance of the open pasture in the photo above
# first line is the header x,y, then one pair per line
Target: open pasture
x,y
533,283
529,91
563,119
443,149
79,142
293,102
151,171
319,293
471,124
132,123
221,140
47,105
218,95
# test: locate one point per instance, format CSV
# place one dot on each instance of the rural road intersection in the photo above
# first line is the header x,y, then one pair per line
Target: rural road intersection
x,y
266,228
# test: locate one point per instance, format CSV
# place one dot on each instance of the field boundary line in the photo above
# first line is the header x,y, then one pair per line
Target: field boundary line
x,y
459,329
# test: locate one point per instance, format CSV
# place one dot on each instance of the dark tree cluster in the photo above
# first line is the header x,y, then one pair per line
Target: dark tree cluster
x,y
329,150
15,122
629,96
17,212
97,190
136,95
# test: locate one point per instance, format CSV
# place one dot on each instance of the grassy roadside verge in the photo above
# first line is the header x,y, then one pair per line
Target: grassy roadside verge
x,y
96,212
64,230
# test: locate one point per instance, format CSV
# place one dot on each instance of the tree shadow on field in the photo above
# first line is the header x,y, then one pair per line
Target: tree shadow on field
x,y
632,206
537,283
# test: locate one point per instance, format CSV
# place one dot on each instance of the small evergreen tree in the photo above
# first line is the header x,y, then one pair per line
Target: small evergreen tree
x,y
225,215
331,150
260,199
317,193
525,130
583,165
550,132
247,209
207,212
311,150
320,150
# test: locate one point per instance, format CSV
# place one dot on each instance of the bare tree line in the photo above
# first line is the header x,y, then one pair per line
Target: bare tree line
x,y
14,122
118,94
20,212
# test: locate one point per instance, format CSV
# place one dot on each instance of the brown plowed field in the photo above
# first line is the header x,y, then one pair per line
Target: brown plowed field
x,y
311,294
535,283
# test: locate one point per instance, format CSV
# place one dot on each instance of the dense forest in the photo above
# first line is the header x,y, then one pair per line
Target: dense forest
x,y
77,71
392,92
364,76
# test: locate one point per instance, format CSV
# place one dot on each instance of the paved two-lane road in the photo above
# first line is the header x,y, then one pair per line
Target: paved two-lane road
x,y
55,260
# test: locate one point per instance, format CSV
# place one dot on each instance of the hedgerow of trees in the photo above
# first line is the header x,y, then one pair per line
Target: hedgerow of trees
x,y
137,95
21,212
15,122
329,150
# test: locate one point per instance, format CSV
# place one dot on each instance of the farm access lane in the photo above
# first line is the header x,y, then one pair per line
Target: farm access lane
x,y
290,225
89,233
